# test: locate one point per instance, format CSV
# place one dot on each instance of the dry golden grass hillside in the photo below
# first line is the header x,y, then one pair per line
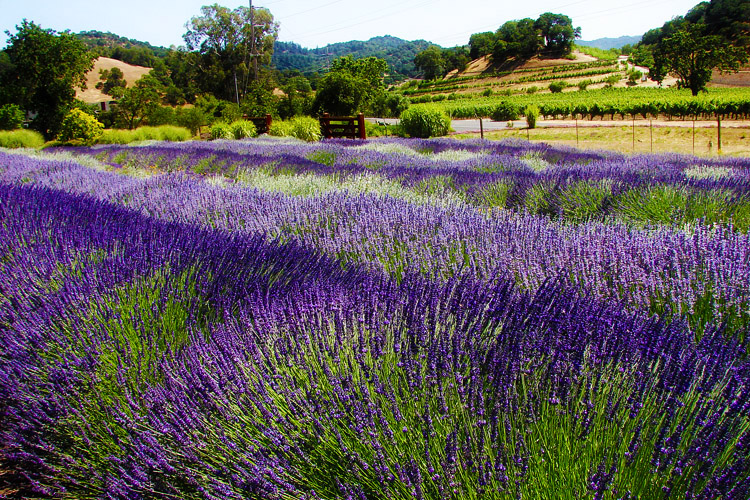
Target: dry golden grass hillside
x,y
92,94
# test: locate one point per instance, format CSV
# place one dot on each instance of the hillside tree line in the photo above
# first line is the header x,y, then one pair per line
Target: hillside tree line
x,y
551,35
712,35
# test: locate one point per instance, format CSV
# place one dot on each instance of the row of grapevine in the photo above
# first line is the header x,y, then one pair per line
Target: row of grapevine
x,y
544,77
612,103
535,74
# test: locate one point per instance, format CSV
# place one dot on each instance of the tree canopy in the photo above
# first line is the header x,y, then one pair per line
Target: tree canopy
x,y
558,33
43,70
431,62
550,35
231,43
712,35
112,81
692,55
351,86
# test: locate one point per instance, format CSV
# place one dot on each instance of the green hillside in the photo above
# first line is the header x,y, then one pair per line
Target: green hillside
x,y
398,53
121,48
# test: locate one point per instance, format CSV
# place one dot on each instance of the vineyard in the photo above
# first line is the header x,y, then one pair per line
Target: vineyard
x,y
728,103
500,79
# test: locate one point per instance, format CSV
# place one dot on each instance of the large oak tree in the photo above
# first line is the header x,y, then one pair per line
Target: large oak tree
x,y
692,55
44,68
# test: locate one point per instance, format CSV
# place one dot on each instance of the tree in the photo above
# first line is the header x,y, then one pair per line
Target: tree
x,y
352,85
481,44
558,33
183,71
259,99
340,93
456,58
729,19
431,62
11,117
517,39
111,79
297,97
46,68
232,43
138,101
692,55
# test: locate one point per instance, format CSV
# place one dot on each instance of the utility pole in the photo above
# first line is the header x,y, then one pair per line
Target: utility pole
x,y
252,42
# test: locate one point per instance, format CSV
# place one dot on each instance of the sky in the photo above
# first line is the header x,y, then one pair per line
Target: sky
x,y
316,23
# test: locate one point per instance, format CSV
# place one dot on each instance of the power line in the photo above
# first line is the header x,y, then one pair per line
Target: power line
x,y
313,9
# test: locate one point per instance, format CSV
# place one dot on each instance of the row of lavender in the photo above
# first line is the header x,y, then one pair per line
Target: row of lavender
x,y
148,358
699,274
571,185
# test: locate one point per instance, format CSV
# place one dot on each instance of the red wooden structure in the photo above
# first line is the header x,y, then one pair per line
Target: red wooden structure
x,y
350,127
262,123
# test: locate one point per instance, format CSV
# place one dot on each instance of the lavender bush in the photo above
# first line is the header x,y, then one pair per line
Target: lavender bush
x,y
698,273
563,183
172,333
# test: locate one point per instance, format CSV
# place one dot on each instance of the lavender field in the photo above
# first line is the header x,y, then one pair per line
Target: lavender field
x,y
430,319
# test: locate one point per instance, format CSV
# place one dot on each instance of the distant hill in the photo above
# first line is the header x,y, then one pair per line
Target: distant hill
x,y
610,43
93,95
398,53
123,49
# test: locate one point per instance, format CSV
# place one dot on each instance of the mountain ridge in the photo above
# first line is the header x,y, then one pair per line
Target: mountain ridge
x,y
610,42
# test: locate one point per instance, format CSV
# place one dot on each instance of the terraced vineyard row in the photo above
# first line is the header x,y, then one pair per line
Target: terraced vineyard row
x,y
539,77
529,73
731,103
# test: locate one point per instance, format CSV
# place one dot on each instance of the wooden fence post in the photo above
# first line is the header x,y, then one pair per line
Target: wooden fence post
x,y
361,123
718,131
326,125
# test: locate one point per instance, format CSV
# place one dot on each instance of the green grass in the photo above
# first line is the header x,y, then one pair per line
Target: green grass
x,y
162,133
20,139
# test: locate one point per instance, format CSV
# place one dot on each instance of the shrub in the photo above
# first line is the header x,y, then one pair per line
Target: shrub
x,y
425,122
487,93
557,87
505,111
171,133
21,139
305,128
161,115
11,117
242,129
583,84
611,80
532,90
280,128
532,113
79,129
221,130
162,133
191,118
391,105
633,77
